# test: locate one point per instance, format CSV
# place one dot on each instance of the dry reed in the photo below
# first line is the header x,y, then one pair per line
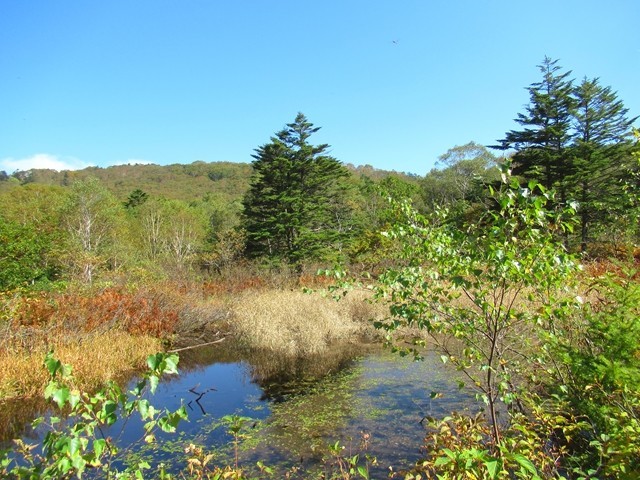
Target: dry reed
x,y
95,358
294,323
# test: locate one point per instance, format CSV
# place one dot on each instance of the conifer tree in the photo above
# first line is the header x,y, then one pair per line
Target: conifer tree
x,y
602,143
290,208
575,140
542,147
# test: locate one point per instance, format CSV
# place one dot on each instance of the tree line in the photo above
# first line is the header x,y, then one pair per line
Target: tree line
x,y
297,206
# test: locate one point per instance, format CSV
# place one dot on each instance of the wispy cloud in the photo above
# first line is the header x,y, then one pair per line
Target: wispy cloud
x,y
42,160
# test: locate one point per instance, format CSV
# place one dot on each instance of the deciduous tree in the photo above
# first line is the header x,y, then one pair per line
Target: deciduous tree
x,y
466,168
91,218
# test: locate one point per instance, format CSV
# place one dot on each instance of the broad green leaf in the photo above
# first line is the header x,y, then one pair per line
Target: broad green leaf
x,y
143,408
525,463
75,445
171,364
52,364
363,472
440,461
60,396
492,468
98,448
153,361
153,383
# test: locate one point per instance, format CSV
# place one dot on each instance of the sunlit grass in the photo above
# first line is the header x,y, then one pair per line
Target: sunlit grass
x,y
95,358
295,323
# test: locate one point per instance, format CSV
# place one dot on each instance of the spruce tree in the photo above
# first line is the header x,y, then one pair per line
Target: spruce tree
x,y
542,147
602,143
575,140
295,193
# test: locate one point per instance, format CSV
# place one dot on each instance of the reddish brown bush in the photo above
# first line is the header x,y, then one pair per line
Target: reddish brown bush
x,y
144,312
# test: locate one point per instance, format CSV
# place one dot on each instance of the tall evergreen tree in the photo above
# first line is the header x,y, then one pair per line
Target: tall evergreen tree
x,y
576,140
542,147
290,208
602,143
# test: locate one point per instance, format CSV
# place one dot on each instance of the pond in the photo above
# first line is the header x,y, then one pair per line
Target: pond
x,y
296,408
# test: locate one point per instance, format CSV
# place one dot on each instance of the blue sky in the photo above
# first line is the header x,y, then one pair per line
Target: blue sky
x,y
393,84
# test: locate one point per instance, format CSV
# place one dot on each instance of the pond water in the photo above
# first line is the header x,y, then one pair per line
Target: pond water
x,y
299,407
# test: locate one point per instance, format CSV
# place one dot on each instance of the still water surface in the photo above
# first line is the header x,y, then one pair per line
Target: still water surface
x,y
299,407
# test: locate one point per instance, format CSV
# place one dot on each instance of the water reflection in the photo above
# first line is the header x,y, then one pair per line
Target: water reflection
x,y
300,406
16,416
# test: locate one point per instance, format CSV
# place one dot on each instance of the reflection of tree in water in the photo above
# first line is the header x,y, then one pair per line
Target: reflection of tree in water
x,y
282,378
313,400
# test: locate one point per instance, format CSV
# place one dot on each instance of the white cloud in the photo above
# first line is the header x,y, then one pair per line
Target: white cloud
x,y
41,160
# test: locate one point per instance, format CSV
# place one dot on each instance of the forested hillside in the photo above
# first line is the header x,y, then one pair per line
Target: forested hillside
x,y
189,181
186,182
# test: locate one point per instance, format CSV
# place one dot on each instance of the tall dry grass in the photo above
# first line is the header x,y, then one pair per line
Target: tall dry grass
x,y
296,324
103,333
95,358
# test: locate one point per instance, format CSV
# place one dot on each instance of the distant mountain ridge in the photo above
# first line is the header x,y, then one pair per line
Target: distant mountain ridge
x,y
188,182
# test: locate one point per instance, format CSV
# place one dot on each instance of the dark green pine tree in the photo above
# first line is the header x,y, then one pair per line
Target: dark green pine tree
x,y
291,211
602,145
136,198
542,146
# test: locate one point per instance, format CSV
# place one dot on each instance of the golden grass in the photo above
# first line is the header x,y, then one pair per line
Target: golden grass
x,y
95,358
295,323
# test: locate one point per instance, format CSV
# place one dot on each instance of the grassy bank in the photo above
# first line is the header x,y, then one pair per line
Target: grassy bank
x,y
105,333
96,358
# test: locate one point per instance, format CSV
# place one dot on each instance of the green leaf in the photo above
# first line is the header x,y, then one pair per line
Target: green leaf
x,y
37,422
98,447
363,472
143,408
74,446
492,468
137,391
525,463
52,364
109,412
171,364
153,383
74,399
60,396
153,361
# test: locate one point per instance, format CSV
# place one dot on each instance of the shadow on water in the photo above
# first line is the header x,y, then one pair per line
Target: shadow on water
x,y
298,407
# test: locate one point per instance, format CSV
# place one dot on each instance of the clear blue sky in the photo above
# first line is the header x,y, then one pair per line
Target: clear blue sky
x,y
393,84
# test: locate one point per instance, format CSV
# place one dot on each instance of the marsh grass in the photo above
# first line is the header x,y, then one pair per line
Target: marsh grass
x,y
95,358
295,323
103,333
